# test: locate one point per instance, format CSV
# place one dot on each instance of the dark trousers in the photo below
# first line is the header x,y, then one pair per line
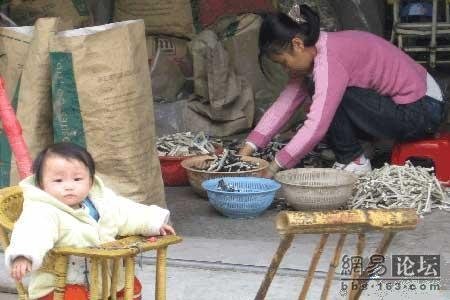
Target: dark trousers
x,y
365,114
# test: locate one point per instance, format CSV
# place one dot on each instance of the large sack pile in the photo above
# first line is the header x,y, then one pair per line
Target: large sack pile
x,y
115,124
160,16
89,87
171,66
14,45
72,13
223,103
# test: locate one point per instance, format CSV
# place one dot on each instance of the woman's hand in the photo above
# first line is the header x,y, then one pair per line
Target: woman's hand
x,y
20,267
271,170
167,230
247,150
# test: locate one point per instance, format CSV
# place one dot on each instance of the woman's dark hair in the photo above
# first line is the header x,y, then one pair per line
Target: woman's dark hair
x,y
278,30
65,150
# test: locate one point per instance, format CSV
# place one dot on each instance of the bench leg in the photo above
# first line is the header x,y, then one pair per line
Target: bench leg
x,y
129,277
60,272
285,243
333,265
381,250
313,265
160,286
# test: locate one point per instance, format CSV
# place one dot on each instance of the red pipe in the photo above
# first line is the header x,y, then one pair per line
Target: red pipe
x,y
13,131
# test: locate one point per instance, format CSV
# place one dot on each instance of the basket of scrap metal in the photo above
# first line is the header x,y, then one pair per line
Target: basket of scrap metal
x,y
316,188
174,148
227,164
241,197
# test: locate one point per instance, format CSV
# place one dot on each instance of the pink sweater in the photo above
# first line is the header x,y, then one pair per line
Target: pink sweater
x,y
344,59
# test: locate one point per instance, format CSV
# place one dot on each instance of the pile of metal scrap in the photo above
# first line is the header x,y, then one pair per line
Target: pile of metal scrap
x,y
320,157
185,144
228,161
400,187
269,152
223,186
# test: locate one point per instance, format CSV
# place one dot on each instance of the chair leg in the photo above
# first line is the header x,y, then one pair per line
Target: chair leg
x,y
313,265
129,277
23,294
381,250
60,272
334,263
114,278
105,279
359,252
160,286
447,11
433,35
93,279
285,244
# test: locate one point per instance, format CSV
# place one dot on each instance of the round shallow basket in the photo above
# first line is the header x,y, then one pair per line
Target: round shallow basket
x,y
173,173
316,189
253,196
196,177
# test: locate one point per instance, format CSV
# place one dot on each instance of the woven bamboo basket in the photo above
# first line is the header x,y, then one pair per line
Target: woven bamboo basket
x,y
196,177
316,188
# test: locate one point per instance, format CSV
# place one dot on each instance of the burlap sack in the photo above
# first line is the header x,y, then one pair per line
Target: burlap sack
x,y
102,99
170,64
239,35
14,45
34,106
171,17
73,13
224,102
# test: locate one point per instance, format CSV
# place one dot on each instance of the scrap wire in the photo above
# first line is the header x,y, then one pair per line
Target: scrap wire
x,y
268,153
223,186
185,144
404,186
228,161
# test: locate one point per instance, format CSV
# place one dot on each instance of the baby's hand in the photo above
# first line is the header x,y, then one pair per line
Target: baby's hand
x,y
20,267
166,230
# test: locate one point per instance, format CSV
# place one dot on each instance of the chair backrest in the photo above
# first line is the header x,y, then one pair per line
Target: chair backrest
x,y
11,203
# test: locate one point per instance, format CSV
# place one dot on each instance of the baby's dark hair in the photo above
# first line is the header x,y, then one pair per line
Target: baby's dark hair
x,y
65,150
278,30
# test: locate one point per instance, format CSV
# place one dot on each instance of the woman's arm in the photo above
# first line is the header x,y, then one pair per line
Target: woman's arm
x,y
278,114
331,80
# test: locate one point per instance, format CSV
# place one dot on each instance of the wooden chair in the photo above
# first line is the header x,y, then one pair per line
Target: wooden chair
x,y
344,222
125,249
401,31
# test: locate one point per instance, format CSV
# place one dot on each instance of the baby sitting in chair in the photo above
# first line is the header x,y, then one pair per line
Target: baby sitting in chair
x,y
65,204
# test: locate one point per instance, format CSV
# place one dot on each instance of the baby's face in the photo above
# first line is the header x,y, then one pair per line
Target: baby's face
x,y
65,179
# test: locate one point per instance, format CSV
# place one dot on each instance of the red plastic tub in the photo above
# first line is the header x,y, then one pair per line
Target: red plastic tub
x,y
173,173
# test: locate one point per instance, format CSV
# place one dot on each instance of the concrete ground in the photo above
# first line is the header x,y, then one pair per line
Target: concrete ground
x,y
226,259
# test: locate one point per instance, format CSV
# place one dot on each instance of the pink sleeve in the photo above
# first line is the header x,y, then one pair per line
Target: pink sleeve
x,y
331,81
278,114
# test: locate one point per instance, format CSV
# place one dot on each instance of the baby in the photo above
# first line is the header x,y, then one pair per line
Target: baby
x,y
65,204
